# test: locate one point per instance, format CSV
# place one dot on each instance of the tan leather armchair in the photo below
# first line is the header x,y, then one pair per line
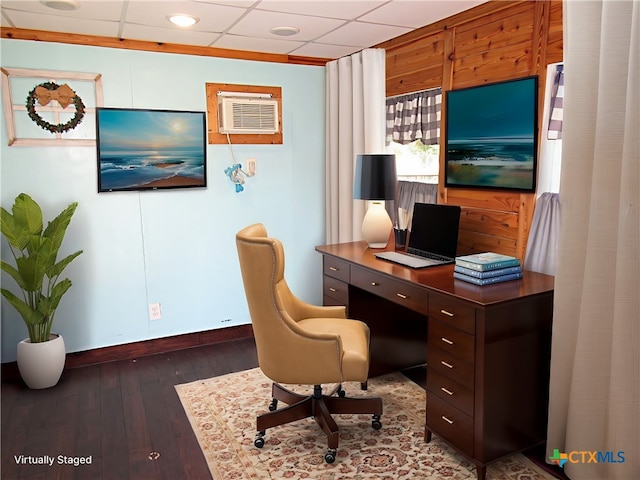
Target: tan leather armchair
x,y
299,343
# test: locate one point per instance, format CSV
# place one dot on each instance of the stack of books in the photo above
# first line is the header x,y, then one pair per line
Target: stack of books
x,y
487,268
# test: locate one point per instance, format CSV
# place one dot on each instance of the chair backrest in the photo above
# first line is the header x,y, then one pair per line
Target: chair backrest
x,y
286,352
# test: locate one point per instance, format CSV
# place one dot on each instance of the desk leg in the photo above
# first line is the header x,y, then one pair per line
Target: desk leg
x,y
427,435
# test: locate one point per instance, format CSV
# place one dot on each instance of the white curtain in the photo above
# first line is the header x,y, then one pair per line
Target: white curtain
x,y
595,364
355,124
543,235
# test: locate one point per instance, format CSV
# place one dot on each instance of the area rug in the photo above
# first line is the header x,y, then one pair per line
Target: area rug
x,y
222,412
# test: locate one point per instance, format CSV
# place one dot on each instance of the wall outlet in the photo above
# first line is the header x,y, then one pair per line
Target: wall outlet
x,y
251,167
155,312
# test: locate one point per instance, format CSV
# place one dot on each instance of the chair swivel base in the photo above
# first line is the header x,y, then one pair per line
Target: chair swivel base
x,y
318,406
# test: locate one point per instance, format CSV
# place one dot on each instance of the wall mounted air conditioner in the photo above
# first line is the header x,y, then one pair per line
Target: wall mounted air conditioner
x,y
247,115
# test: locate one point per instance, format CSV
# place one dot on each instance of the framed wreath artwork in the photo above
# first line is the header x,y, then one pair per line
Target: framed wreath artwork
x,y
59,106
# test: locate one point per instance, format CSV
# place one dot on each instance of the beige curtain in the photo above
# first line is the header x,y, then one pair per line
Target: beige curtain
x,y
355,124
595,365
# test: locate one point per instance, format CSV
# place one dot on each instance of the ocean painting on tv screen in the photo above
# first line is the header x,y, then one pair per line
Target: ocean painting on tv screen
x,y
491,136
150,149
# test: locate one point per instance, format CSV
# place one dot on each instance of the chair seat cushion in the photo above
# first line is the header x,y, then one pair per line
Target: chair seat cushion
x,y
355,343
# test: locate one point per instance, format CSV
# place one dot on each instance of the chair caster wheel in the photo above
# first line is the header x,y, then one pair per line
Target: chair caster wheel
x,y
259,441
375,423
330,456
273,405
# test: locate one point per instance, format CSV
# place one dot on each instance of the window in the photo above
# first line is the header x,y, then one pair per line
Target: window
x,y
416,162
413,134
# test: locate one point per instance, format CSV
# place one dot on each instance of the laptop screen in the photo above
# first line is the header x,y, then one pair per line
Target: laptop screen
x,y
434,228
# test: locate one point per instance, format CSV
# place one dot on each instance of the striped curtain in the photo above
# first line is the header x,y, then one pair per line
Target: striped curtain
x,y
415,116
554,132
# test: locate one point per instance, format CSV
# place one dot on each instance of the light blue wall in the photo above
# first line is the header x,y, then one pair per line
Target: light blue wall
x,y
175,247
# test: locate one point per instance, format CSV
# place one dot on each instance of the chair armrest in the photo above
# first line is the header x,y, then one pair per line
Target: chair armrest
x,y
299,309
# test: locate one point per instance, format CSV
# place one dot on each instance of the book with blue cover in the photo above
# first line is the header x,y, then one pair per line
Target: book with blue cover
x,y
482,262
488,273
488,280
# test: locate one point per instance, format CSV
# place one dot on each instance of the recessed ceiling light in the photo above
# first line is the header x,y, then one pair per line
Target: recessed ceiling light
x,y
61,4
182,19
285,31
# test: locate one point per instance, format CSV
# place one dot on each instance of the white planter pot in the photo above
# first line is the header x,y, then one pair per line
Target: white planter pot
x,y
41,364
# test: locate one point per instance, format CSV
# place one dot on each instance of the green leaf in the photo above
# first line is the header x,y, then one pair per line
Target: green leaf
x,y
50,304
33,268
27,214
28,314
14,274
15,235
57,227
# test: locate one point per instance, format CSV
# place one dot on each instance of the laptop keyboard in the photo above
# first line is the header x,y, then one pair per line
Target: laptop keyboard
x,y
423,254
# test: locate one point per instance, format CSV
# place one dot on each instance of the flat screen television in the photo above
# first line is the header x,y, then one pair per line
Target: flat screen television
x,y
140,149
491,135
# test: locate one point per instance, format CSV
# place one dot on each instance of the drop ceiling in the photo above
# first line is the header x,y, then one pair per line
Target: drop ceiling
x,y
327,29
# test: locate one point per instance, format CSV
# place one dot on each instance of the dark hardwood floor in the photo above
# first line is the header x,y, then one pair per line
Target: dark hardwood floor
x,y
124,416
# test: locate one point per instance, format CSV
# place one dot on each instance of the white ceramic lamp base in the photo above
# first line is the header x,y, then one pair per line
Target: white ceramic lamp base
x,y
376,226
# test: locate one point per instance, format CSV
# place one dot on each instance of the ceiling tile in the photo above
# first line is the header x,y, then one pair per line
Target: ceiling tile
x,y
96,10
417,13
324,51
239,42
213,18
37,21
257,24
362,34
167,35
346,11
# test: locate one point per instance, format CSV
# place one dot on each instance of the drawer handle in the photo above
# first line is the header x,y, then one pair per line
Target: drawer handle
x,y
448,314
450,422
404,297
448,365
332,289
446,340
448,392
334,269
374,284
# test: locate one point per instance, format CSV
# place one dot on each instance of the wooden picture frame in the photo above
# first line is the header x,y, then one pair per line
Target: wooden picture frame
x,y
15,91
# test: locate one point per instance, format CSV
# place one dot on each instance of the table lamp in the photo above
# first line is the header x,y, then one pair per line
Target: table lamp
x,y
375,179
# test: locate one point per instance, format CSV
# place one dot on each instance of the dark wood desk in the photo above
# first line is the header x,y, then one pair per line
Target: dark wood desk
x,y
487,349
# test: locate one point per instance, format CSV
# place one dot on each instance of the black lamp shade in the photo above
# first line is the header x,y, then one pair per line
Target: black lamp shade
x,y
375,177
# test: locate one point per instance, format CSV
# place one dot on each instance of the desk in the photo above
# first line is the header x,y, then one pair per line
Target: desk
x,y
487,349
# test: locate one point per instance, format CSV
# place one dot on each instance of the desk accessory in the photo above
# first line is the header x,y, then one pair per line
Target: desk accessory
x,y
375,179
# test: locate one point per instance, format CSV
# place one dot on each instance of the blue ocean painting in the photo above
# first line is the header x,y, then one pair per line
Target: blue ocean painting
x,y
141,149
491,135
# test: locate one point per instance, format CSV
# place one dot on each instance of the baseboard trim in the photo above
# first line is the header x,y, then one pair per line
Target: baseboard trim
x,y
155,346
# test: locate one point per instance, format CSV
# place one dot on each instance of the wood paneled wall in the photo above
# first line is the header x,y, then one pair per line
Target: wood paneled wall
x,y
495,41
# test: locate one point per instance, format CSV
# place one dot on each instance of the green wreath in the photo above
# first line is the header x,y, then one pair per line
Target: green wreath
x,y
42,123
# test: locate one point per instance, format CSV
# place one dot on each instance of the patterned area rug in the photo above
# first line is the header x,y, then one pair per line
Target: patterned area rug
x,y
222,412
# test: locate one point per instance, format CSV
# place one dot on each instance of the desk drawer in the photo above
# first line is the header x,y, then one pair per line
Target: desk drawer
x,y
450,423
450,365
454,312
336,290
450,391
335,268
410,296
452,340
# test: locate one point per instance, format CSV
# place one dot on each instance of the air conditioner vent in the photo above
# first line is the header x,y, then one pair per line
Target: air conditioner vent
x,y
248,115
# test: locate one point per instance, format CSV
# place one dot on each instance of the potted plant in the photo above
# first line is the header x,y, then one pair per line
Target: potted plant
x,y
37,272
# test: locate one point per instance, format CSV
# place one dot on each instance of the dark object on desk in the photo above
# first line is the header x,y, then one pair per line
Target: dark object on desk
x,y
400,236
433,239
299,343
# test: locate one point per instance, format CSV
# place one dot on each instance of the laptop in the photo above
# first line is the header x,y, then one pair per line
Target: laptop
x,y
433,239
